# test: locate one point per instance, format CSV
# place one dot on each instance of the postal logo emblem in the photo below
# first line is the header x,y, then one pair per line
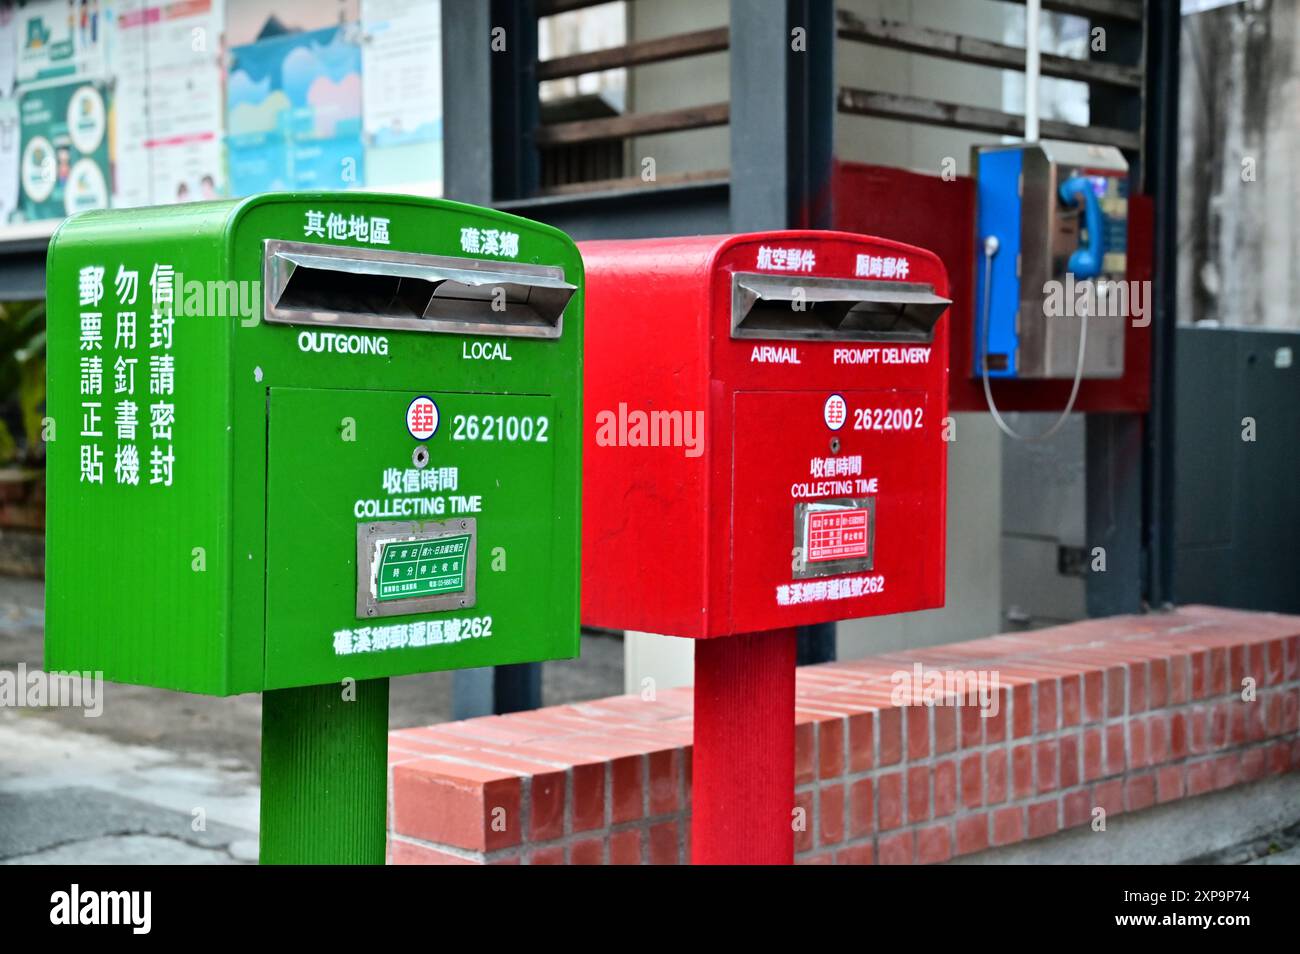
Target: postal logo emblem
x,y
422,418
835,412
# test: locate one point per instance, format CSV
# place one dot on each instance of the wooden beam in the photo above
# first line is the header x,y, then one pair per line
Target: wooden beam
x,y
967,49
636,54
632,124
635,183
861,102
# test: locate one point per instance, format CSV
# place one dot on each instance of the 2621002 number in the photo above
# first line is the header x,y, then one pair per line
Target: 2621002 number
x,y
510,428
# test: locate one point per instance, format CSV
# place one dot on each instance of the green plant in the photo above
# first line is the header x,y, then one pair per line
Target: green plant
x,y
22,380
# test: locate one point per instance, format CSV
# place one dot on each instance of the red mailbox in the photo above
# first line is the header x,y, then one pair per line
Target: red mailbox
x,y
764,450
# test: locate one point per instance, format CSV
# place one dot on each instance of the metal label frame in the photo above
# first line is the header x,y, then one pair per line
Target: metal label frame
x,y
372,537
834,567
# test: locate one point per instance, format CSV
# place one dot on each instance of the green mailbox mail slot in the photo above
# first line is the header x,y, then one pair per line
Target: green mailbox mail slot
x,y
305,437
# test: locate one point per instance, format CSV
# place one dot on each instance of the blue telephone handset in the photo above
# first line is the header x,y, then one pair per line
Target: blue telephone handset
x,y
1085,261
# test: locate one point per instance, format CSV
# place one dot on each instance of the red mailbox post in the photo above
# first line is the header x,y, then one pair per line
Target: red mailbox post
x,y
764,450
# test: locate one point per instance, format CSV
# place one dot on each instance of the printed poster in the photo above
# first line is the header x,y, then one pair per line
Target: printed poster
x,y
167,104
293,112
60,38
64,165
402,95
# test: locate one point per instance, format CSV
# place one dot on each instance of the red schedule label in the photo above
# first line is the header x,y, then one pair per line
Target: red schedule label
x,y
837,534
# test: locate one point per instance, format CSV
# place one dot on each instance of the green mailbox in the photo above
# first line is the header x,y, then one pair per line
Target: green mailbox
x,y
307,438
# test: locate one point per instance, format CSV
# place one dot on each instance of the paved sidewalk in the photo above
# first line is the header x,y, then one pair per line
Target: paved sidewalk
x,y
167,777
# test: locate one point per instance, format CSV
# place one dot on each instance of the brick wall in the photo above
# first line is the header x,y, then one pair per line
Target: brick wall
x,y
1118,714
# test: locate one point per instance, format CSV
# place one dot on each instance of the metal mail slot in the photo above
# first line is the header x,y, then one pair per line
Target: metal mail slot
x,y
768,306
406,291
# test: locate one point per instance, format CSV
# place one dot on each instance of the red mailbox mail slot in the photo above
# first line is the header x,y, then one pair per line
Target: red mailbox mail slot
x,y
764,439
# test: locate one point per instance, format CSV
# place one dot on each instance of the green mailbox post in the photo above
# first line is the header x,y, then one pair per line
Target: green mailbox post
x,y
302,443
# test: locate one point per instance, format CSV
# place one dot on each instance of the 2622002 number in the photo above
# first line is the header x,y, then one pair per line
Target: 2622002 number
x,y
500,427
887,418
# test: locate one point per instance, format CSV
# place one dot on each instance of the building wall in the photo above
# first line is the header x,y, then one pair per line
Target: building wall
x,y
1238,183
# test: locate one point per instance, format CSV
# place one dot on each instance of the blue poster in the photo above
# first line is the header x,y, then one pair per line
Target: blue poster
x,y
293,112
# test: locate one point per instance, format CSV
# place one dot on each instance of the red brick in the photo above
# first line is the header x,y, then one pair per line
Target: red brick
x,y
972,834
890,789
1226,770
1198,722
917,718
546,796
995,726
891,736
918,794
547,855
945,788
665,782
861,808
1200,674
1092,756
1048,715
588,797
1179,680
1158,684
663,844
452,804
821,858
1279,758
945,730
1022,770
830,748
862,742
1076,809
408,853
1115,679
933,845
1139,792
1137,744
1218,674
1043,819
832,814
625,847
1115,749
1178,741
805,752
1137,687
1200,778
1047,759
1022,711
1275,655
1237,662
1253,766
589,851
803,835
972,727
1008,825
1070,701
972,781
1292,658
896,849
1157,739
1093,695
1109,796
1069,747
627,794
854,855
995,776
1169,783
